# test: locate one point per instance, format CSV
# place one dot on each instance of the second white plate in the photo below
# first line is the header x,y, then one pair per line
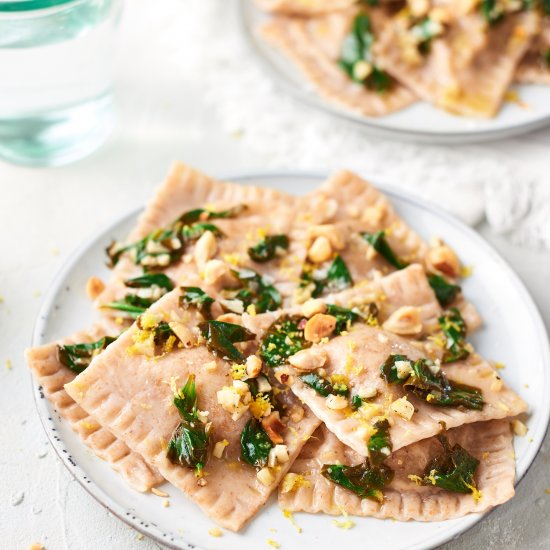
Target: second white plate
x,y
420,122
513,333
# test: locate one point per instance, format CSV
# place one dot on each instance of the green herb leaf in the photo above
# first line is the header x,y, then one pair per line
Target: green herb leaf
x,y
255,444
453,469
444,291
190,441
134,304
379,445
79,356
268,248
453,326
201,214
424,32
365,480
149,280
356,56
492,11
338,276
323,386
193,295
431,384
344,317
256,290
380,244
282,340
221,336
389,371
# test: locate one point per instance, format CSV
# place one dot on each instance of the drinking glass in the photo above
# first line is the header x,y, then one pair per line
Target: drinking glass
x,y
56,69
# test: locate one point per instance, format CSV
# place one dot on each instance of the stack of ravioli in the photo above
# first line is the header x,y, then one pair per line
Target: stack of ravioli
x,y
376,57
251,341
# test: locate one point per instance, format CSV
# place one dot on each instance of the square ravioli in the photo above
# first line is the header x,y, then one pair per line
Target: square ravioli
x,y
195,224
394,380
130,389
472,85
316,44
52,373
489,442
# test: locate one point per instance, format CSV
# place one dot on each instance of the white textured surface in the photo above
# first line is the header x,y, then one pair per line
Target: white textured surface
x,y
178,99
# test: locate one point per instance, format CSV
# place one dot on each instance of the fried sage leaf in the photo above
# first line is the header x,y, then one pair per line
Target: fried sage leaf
x,y
429,383
335,279
221,337
379,444
323,386
256,291
346,317
195,296
454,469
190,441
268,248
151,287
79,356
283,339
356,58
380,244
445,292
255,444
454,328
365,480
202,214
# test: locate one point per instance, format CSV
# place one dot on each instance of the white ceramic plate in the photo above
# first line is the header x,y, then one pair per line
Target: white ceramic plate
x,y
420,122
513,333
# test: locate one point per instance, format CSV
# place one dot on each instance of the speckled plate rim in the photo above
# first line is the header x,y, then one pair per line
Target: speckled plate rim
x,y
152,530
374,126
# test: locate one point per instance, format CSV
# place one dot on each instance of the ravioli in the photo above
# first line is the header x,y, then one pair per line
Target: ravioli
x,y
535,65
475,88
314,45
358,357
303,7
263,212
52,375
130,394
490,442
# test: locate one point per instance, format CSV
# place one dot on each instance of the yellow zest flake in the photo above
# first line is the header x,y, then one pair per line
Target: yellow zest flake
x,y
165,503
159,493
149,321
477,495
119,320
251,310
261,406
288,515
499,365
215,532
415,478
439,340
174,384
344,524
238,372
9,365
466,271
273,543
293,482
486,455
233,259
271,346
352,345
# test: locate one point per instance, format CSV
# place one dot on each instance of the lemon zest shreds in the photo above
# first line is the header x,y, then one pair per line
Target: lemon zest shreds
x,y
215,532
238,372
288,515
415,478
273,543
344,524
261,406
477,495
293,482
